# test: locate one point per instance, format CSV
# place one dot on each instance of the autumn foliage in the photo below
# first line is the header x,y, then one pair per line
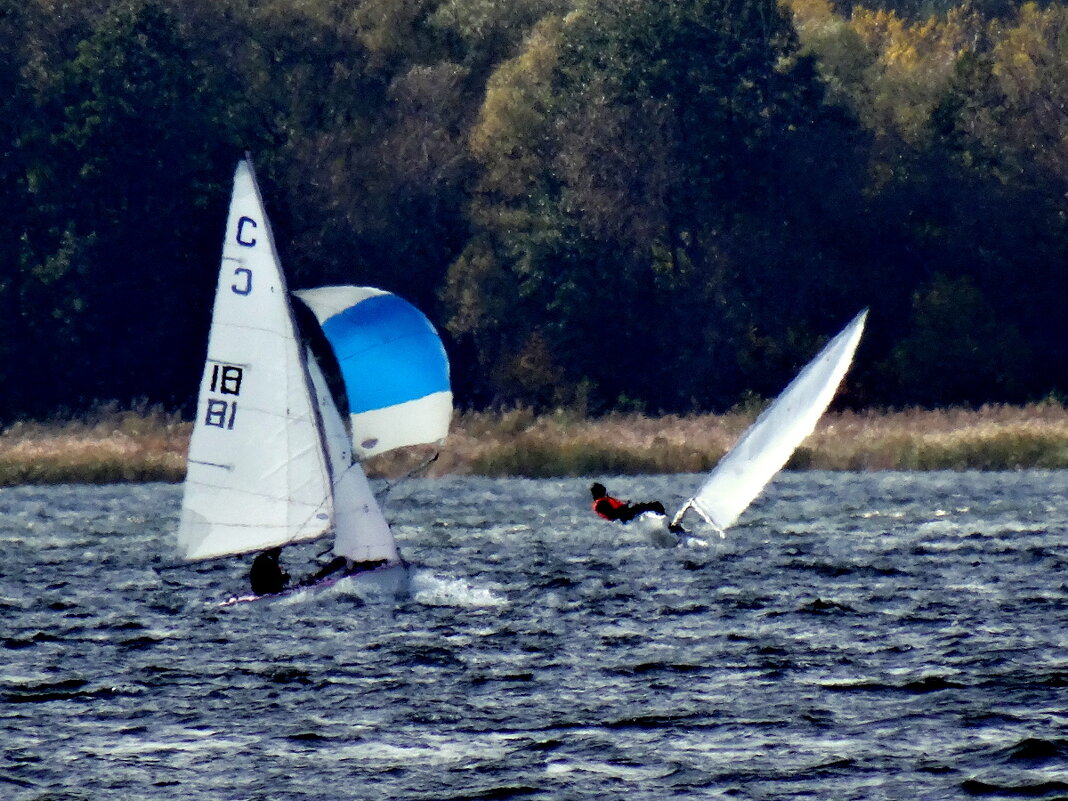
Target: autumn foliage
x,y
605,205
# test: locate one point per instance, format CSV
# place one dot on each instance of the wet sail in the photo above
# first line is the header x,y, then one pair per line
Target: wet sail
x,y
393,364
257,474
767,445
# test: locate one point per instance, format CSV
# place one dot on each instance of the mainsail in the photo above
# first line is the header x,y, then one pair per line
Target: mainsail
x,y
257,475
767,445
393,364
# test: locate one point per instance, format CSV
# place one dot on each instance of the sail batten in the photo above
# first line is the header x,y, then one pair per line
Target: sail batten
x,y
766,446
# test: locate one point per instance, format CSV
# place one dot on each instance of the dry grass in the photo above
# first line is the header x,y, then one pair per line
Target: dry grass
x,y
106,446
561,444
147,444
990,438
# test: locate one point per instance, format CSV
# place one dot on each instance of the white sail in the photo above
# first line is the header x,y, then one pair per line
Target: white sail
x,y
257,474
767,445
361,532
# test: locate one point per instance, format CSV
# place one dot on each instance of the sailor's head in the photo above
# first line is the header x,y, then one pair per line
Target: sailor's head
x,y
275,553
597,490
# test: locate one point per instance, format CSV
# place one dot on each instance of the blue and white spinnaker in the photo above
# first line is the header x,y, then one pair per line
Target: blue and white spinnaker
x,y
393,364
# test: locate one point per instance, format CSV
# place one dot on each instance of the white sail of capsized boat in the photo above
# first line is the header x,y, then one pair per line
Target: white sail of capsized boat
x,y
257,475
767,445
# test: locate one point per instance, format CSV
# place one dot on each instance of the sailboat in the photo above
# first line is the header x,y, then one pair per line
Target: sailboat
x,y
270,460
765,447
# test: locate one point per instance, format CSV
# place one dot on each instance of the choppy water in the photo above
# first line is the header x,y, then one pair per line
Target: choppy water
x,y
876,636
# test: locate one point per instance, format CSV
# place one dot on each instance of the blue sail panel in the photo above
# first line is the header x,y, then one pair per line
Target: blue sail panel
x,y
389,353
393,364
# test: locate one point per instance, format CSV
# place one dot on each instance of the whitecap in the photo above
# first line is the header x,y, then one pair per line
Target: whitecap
x,y
431,590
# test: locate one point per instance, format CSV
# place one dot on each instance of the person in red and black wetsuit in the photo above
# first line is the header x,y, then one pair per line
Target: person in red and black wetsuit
x,y
624,511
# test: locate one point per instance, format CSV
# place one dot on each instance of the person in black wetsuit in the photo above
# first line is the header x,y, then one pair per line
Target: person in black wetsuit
x,y
624,511
341,564
267,576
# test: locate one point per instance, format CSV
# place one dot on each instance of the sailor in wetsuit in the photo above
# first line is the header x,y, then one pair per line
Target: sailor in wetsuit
x,y
267,576
624,511
342,564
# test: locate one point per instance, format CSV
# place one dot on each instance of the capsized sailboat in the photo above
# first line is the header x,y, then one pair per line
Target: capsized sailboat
x,y
765,447
270,461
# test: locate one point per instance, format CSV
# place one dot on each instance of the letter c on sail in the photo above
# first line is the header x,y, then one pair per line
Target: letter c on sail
x,y
247,288
241,230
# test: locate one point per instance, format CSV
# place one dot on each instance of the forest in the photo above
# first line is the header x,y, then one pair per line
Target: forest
x,y
658,206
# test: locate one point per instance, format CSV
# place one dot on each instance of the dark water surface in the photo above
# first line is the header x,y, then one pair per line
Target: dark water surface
x,y
859,636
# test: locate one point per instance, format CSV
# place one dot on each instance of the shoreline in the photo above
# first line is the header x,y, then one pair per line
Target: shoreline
x,y
115,446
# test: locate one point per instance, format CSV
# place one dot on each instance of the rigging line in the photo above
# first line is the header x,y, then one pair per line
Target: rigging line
x,y
418,469
192,563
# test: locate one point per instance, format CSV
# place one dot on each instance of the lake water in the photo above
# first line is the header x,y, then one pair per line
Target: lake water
x,y
857,636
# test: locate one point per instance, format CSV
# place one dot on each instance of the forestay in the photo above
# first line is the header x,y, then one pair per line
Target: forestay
x,y
394,366
767,445
257,475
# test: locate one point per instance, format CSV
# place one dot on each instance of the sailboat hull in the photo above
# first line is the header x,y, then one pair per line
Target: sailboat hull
x,y
655,528
387,581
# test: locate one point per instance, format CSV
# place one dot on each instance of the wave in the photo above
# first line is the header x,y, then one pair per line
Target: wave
x,y
927,684
1032,752
431,590
67,690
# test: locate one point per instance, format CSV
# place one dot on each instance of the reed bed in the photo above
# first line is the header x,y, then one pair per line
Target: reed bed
x,y
113,445
993,437
106,446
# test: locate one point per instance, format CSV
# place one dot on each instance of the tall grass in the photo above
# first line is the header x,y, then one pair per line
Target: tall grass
x,y
148,444
993,437
519,443
107,445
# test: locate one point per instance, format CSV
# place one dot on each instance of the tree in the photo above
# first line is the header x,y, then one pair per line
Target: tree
x,y
122,241
15,106
631,155
959,350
